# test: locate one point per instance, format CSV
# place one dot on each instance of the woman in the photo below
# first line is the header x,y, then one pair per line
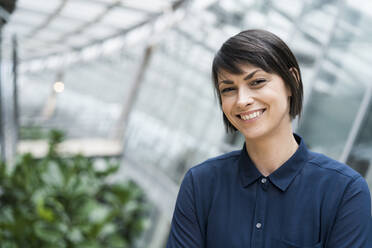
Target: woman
x,y
274,193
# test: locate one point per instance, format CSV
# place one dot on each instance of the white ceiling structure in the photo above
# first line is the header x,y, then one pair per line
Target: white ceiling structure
x,y
58,26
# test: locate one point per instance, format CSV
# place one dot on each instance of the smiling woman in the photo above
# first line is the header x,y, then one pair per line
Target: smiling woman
x,y
274,192
256,102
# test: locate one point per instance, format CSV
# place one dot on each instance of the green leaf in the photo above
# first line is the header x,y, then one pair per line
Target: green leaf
x,y
6,215
45,213
75,235
98,213
47,233
53,176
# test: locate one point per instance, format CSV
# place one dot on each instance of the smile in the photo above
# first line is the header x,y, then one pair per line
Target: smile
x,y
252,115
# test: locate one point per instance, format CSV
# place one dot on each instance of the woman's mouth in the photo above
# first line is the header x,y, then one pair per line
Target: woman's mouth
x,y
251,115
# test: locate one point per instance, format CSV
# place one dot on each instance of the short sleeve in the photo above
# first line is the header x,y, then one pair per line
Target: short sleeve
x,y
352,228
185,229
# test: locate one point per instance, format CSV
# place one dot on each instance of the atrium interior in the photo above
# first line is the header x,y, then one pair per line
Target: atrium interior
x,y
131,81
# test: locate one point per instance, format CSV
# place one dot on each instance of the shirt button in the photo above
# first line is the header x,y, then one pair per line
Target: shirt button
x,y
258,225
263,180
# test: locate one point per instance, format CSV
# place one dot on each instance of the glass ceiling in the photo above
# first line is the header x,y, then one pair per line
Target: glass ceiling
x,y
56,26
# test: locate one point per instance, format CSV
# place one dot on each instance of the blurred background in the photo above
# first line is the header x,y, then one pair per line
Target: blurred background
x,y
128,82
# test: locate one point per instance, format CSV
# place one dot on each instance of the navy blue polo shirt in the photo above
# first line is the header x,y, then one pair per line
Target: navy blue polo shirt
x,y
311,201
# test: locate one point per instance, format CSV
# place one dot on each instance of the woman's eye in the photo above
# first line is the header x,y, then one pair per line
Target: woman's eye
x,y
258,82
225,90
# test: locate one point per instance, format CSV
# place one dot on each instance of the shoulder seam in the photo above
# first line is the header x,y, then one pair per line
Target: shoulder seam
x,y
352,177
221,158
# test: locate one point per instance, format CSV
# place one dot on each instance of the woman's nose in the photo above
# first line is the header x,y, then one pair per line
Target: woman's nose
x,y
244,99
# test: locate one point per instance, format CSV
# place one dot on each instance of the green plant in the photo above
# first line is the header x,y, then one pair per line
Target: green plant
x,y
67,202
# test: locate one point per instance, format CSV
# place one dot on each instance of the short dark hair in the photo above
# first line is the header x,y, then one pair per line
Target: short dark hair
x,y
265,50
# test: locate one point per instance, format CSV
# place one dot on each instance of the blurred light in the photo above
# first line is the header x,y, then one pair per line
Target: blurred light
x,y
59,87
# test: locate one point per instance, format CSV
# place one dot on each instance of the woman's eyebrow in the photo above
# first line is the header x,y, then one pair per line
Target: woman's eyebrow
x,y
250,75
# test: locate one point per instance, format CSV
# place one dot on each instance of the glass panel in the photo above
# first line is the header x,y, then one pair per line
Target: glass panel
x,y
28,17
338,89
64,24
360,157
99,31
83,10
40,5
329,116
123,18
148,5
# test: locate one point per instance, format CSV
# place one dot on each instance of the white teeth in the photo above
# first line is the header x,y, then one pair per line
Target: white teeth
x,y
251,116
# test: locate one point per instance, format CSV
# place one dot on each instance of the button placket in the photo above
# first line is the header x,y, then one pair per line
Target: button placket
x,y
259,216
264,183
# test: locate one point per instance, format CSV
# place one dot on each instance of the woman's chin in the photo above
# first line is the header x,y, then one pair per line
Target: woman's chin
x,y
252,134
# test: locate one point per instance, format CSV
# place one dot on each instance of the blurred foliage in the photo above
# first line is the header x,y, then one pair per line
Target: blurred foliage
x,y
67,202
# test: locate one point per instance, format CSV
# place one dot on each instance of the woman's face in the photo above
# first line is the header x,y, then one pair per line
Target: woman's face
x,y
255,102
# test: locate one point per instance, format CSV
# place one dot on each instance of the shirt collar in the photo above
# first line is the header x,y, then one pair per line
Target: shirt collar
x,y
281,177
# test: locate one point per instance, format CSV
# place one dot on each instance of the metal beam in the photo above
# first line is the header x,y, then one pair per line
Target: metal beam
x,y
2,122
90,23
48,20
131,95
40,12
357,123
15,87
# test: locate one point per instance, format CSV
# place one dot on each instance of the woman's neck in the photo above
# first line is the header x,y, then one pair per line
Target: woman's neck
x,y
269,153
